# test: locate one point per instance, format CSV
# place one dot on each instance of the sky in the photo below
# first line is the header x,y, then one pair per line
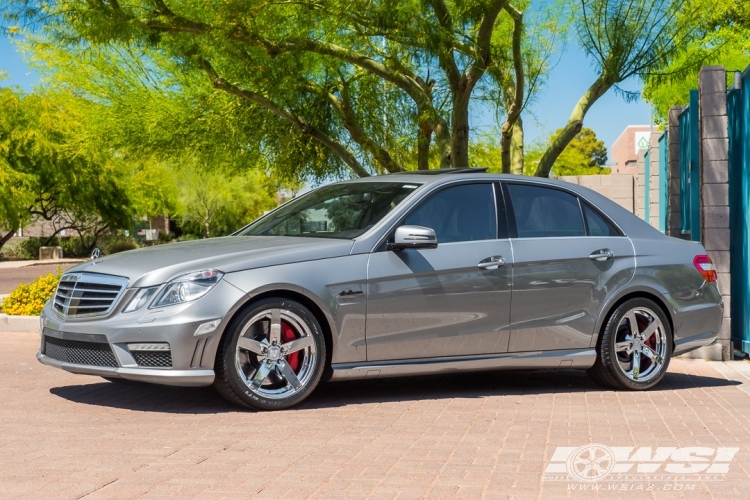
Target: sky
x,y
568,80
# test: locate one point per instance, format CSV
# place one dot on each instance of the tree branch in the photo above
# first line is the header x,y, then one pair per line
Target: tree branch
x,y
446,58
351,123
338,149
516,106
484,39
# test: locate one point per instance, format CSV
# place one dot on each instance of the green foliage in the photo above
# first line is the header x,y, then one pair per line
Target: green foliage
x,y
486,151
725,40
624,39
120,245
585,155
304,90
29,299
213,203
51,169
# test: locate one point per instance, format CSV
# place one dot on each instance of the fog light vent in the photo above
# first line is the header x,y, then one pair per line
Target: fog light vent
x,y
152,346
152,354
153,359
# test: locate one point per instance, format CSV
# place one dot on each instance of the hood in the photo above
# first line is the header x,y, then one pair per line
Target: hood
x,y
159,264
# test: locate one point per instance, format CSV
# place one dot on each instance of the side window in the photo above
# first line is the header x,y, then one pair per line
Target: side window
x,y
459,213
598,225
542,212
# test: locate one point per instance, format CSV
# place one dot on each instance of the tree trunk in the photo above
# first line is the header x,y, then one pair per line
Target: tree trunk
x,y
460,126
443,140
424,136
516,148
5,239
574,125
505,138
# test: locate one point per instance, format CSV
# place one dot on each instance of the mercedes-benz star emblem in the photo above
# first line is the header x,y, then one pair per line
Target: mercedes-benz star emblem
x,y
96,254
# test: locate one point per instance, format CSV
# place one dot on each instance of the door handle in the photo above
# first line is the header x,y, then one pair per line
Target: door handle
x,y
602,255
491,262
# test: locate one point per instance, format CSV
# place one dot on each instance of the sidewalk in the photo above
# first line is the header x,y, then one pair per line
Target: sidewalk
x,y
16,264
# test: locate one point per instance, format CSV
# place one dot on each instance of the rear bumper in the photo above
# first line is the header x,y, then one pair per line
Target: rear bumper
x,y
694,342
184,378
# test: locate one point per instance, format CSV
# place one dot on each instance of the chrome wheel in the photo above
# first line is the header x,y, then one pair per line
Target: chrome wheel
x,y
641,345
275,355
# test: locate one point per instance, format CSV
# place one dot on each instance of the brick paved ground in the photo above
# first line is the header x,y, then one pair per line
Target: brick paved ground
x,y
463,436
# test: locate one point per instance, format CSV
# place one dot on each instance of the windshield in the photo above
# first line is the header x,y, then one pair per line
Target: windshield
x,y
334,211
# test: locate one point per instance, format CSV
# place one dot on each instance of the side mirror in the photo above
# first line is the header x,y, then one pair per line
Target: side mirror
x,y
413,237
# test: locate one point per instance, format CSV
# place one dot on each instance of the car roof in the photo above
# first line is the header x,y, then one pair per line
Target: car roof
x,y
628,222
443,175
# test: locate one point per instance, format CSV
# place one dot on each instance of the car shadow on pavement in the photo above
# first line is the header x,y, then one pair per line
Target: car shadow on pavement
x,y
137,396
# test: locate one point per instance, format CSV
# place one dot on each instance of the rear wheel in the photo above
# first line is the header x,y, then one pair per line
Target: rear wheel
x,y
273,356
635,347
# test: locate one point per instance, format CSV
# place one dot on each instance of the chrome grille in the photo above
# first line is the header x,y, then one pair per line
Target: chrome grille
x,y
87,294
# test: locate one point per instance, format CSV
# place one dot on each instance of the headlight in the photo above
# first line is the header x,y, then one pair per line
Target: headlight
x,y
188,288
140,299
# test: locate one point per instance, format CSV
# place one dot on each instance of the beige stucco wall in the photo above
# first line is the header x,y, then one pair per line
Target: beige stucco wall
x,y
617,187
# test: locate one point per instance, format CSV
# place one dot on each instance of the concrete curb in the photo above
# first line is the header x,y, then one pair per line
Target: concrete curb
x,y
18,323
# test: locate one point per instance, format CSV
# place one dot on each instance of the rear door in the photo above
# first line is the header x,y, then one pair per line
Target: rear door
x,y
568,257
446,301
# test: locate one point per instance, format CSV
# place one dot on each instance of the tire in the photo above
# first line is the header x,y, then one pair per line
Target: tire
x,y
633,360
271,357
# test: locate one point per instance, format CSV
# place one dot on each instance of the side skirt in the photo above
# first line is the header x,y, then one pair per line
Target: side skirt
x,y
573,358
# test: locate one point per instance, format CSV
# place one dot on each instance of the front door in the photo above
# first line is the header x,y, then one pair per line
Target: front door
x,y
450,300
568,259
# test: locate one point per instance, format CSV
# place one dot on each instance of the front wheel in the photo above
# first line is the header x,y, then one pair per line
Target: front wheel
x,y
635,347
272,357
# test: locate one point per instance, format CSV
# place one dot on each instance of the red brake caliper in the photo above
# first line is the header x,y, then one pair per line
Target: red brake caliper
x,y
287,335
651,342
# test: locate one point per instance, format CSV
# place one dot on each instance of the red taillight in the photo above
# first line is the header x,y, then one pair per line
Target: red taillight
x,y
705,266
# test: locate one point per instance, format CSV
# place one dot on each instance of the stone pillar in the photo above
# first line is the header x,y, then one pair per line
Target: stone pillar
x,y
161,223
714,164
673,169
653,180
640,185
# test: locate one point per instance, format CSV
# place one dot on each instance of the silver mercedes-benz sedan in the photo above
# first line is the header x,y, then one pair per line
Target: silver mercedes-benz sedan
x,y
398,275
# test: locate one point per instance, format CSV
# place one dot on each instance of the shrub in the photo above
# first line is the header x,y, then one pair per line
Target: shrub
x,y
11,250
29,299
120,246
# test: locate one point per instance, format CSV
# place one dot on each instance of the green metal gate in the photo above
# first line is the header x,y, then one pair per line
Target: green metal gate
x,y
738,113
663,181
690,170
647,186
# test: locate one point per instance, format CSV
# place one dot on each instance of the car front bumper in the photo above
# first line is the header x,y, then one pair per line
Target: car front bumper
x,y
103,346
184,378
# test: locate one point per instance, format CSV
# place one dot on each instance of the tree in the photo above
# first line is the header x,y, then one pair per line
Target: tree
x,y
585,155
48,171
724,39
625,38
358,85
212,203
15,187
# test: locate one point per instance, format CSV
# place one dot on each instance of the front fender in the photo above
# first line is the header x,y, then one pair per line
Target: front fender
x,y
322,283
